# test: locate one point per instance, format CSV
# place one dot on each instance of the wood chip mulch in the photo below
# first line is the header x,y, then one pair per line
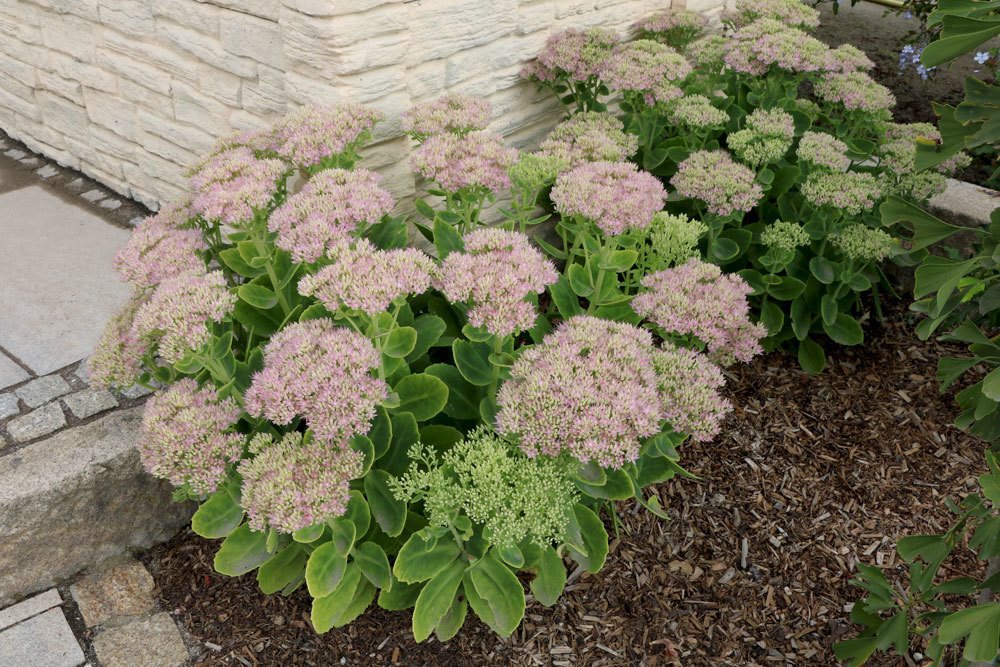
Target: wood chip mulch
x,y
814,474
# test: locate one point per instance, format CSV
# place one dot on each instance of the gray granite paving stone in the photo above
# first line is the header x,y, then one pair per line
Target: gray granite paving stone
x,y
37,423
93,195
41,391
149,641
15,154
8,406
45,640
10,372
119,587
89,402
57,285
77,498
111,204
30,607
48,171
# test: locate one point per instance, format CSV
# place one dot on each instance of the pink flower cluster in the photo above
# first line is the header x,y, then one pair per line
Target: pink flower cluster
x,y
852,191
697,299
615,196
789,12
495,274
591,136
689,386
670,20
754,49
451,113
849,58
155,253
589,389
172,215
328,210
716,179
364,278
117,357
175,316
234,184
646,67
823,150
856,91
289,485
186,436
310,134
573,53
476,160
322,372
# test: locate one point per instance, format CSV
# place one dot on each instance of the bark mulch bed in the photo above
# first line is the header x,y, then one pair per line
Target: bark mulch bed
x,y
813,475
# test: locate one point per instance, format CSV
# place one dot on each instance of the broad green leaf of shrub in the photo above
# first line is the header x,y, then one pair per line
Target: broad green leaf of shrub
x,y
421,395
218,516
473,361
420,559
374,564
436,599
284,568
241,552
496,594
325,569
389,512
550,581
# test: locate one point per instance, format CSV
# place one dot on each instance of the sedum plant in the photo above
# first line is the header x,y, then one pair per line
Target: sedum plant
x,y
420,430
782,147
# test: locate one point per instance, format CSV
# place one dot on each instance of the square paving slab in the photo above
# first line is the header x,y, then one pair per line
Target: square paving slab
x,y
10,372
57,286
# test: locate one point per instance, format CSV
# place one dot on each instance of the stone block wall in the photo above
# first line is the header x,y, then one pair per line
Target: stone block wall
x,y
130,92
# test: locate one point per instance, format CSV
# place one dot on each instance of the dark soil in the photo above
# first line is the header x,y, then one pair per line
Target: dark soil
x,y
814,474
881,33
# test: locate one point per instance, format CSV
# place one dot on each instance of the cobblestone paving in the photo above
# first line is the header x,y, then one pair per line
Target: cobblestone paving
x,y
107,616
48,328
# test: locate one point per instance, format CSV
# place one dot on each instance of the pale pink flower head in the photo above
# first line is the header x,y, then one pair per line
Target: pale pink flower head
x,y
574,54
675,27
333,206
823,150
454,113
172,215
615,196
849,58
153,254
187,436
494,275
589,389
856,91
854,192
322,372
723,184
312,134
234,185
117,359
367,279
789,12
290,484
646,67
591,136
175,317
476,160
688,384
767,43
697,299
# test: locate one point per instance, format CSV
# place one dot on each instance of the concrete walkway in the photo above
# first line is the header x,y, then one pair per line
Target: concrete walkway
x,y
73,495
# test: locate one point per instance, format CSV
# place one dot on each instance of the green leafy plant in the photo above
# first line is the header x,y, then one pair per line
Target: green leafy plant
x,y
368,421
782,146
957,617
